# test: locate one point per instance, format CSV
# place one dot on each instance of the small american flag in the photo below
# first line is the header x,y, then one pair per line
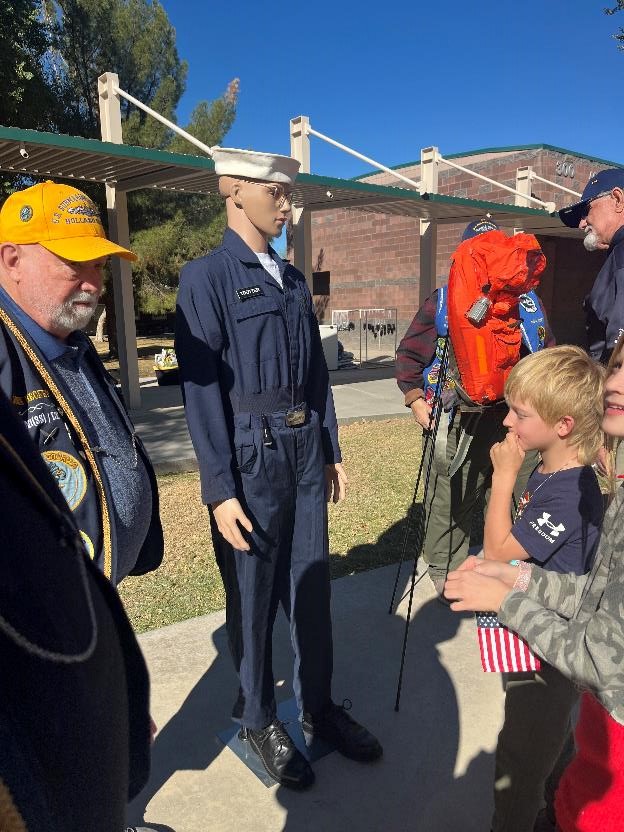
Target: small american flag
x,y
502,650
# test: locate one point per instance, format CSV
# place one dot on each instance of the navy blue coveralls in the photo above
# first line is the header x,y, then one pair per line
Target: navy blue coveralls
x,y
250,353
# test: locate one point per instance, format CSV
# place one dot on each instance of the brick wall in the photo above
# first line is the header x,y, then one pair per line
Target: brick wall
x,y
373,259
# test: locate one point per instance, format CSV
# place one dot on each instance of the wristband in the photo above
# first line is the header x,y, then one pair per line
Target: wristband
x,y
524,576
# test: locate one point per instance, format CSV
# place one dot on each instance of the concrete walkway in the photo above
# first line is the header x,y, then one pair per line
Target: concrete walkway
x,y
436,774
368,393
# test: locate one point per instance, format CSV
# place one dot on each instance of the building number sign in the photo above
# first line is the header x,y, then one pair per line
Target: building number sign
x,y
565,169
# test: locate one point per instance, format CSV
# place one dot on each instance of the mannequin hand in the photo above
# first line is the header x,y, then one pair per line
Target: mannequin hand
x,y
421,411
228,514
335,482
507,456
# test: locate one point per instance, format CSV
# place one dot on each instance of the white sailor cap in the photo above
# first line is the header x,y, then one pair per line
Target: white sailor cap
x,y
251,164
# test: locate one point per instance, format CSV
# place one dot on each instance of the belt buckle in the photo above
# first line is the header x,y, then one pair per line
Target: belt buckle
x,y
296,417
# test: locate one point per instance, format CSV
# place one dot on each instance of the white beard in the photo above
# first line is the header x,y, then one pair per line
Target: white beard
x,y
590,240
69,317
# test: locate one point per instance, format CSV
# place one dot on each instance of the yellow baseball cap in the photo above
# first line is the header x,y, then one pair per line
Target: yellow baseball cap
x,y
59,218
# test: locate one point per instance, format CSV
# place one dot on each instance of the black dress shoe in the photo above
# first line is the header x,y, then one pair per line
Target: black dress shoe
x,y
334,726
279,756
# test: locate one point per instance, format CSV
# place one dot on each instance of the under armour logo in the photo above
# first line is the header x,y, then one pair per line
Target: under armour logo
x,y
544,520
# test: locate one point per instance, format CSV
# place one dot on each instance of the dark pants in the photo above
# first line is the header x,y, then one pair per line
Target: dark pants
x,y
534,746
282,491
451,502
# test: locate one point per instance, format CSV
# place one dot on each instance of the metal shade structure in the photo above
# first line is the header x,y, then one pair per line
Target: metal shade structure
x,y
128,168
123,168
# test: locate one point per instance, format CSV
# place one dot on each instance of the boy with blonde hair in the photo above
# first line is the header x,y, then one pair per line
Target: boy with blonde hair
x,y
555,407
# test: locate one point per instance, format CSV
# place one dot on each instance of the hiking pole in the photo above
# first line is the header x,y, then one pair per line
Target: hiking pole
x,y
438,409
429,445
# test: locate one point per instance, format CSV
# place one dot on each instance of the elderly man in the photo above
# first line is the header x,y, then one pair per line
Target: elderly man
x,y
53,250
74,715
600,214
261,417
453,499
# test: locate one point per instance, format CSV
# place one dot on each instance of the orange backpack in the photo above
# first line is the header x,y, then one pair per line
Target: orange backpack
x,y
488,273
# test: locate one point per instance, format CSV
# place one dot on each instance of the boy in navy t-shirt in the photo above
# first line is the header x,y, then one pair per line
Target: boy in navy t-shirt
x,y
555,407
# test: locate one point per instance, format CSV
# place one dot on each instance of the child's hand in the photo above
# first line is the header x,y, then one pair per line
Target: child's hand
x,y
468,590
507,456
471,562
499,570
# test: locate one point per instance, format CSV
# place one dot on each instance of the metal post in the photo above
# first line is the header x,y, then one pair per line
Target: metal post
x,y
523,184
428,259
117,209
429,170
301,220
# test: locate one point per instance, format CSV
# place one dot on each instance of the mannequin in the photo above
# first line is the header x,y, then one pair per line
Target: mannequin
x,y
262,420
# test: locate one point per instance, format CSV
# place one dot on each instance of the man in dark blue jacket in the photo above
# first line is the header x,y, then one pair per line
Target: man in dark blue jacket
x,y
600,214
74,720
52,253
261,416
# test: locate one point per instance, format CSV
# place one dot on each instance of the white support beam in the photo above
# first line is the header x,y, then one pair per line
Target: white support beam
x,y
428,259
524,176
394,173
300,141
301,219
429,170
547,206
117,209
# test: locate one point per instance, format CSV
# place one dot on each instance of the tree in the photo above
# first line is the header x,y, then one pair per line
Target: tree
x,y
26,99
51,55
135,39
619,36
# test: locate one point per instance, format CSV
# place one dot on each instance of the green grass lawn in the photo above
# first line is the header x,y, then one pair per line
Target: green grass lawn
x,y
365,531
146,349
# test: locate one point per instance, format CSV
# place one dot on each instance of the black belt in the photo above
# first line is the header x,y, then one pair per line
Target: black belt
x,y
281,399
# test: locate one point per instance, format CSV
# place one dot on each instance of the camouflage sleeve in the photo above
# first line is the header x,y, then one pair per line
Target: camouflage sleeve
x,y
589,648
556,591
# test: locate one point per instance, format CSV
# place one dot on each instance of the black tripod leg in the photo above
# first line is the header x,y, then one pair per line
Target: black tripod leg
x,y
420,540
429,444
409,520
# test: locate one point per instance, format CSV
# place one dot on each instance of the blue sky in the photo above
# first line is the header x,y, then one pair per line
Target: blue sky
x,y
388,79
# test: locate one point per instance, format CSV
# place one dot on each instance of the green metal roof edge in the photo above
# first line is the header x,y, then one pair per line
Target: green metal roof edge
x,y
404,193
126,151
165,158
510,148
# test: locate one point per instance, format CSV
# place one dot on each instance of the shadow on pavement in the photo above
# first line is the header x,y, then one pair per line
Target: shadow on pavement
x,y
414,786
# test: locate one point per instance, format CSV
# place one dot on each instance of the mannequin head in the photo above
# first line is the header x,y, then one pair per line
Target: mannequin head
x,y
258,192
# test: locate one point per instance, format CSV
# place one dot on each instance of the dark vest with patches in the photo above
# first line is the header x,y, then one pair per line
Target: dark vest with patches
x,y
41,402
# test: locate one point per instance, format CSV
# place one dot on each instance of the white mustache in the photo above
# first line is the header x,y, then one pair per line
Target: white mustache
x,y
84,297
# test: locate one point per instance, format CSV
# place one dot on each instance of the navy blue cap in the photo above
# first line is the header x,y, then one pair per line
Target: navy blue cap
x,y
600,184
479,227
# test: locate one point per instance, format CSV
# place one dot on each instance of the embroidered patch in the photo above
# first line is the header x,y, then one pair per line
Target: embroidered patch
x,y
26,213
69,475
249,292
432,375
85,210
541,334
528,304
